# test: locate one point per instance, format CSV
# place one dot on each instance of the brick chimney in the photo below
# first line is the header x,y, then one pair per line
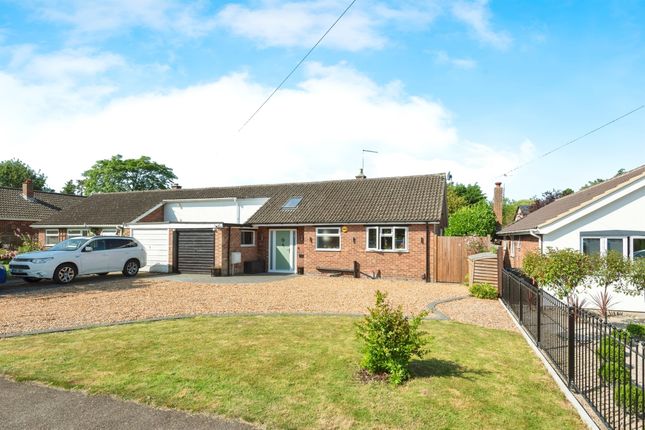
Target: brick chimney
x,y
498,202
28,189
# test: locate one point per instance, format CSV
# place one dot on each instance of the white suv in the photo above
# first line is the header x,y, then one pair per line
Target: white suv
x,y
81,256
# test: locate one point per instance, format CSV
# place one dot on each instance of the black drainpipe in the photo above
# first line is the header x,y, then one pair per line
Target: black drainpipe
x,y
228,252
427,252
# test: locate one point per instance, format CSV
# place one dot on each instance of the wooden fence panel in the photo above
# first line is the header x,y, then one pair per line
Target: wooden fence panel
x,y
452,257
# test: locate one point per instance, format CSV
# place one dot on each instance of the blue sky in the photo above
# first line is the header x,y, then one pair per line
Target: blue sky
x,y
472,87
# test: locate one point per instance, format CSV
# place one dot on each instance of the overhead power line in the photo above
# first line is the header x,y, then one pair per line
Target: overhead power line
x,y
299,63
574,140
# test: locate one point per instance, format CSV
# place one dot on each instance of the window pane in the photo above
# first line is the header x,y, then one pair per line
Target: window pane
x,y
247,238
591,246
399,238
386,242
639,248
386,231
328,231
328,242
372,242
615,245
98,245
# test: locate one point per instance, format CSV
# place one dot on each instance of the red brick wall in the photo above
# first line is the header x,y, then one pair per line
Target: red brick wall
x,y
249,253
9,229
410,264
154,216
523,245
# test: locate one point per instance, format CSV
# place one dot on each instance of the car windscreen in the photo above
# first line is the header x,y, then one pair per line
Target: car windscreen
x,y
69,244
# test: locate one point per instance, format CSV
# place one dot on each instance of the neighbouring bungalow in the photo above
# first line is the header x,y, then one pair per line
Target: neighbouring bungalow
x,y
20,208
384,226
609,216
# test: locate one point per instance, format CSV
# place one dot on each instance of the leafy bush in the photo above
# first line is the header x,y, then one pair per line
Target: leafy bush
x,y
29,244
612,372
637,277
611,349
475,220
390,340
636,330
467,279
533,266
632,397
483,291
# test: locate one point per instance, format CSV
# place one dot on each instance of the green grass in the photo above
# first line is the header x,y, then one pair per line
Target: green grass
x,y
299,372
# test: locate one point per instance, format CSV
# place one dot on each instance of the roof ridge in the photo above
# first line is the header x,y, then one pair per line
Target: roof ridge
x,y
42,192
276,184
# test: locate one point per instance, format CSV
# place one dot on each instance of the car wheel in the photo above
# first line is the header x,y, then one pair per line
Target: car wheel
x,y
32,280
102,274
64,274
131,268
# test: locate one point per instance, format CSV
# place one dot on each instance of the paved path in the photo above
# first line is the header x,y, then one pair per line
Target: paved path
x,y
32,406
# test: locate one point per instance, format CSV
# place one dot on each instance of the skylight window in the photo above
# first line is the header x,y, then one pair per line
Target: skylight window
x,y
292,203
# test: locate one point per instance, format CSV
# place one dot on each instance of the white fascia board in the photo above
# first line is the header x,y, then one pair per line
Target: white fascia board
x,y
401,223
599,202
175,225
77,226
214,199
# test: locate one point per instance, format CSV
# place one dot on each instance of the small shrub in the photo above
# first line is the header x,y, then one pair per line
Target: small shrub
x,y
483,291
29,244
612,372
632,397
611,349
636,330
467,279
390,340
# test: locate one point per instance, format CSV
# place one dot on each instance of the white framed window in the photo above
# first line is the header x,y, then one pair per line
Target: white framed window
x,y
391,239
76,232
602,245
108,232
637,247
51,237
247,237
328,239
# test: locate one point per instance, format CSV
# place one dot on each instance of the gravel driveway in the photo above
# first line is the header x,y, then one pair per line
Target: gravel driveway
x,y
116,299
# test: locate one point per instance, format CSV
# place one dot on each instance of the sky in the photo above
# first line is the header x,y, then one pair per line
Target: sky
x,y
474,88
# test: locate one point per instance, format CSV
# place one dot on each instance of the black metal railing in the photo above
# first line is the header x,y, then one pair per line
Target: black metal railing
x,y
598,361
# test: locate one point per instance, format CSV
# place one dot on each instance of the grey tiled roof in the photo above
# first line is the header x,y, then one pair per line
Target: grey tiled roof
x,y
397,199
13,206
571,202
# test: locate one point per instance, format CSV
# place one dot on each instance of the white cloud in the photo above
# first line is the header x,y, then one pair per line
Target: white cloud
x,y
302,23
313,131
477,16
461,63
109,16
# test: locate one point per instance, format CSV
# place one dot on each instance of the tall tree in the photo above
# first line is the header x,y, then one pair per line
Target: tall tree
x,y
119,174
471,193
70,188
14,172
474,220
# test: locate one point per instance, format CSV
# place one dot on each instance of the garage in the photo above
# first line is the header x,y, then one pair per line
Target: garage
x,y
156,245
195,251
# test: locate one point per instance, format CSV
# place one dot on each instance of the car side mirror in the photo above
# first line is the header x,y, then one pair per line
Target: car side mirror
x,y
88,249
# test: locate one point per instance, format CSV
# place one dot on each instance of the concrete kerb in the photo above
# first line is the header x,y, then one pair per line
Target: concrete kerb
x,y
575,402
432,307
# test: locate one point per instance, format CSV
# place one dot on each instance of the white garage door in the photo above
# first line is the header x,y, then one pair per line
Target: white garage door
x,y
156,245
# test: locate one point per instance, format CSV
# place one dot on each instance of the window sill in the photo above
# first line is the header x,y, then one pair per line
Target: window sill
x,y
389,251
247,246
327,250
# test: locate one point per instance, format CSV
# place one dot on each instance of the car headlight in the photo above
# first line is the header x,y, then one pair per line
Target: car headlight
x,y
41,260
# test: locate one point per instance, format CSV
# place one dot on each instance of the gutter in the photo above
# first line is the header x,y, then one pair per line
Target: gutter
x,y
533,232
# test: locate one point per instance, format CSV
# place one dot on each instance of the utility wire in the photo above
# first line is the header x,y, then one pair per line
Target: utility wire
x,y
299,63
574,140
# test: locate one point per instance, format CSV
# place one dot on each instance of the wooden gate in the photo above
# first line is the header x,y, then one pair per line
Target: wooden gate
x,y
452,257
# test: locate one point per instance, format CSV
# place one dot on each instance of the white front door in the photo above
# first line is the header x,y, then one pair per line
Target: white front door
x,y
282,251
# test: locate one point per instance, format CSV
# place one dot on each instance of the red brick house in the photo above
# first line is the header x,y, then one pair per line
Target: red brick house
x,y
20,208
386,225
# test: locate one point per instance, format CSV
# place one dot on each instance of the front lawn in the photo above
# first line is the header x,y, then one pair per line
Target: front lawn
x,y
299,372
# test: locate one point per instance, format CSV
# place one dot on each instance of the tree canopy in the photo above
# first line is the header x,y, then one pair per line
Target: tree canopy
x,y
14,172
70,188
461,195
474,220
119,174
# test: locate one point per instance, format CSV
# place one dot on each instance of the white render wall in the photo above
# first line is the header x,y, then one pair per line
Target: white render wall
x,y
234,211
624,213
